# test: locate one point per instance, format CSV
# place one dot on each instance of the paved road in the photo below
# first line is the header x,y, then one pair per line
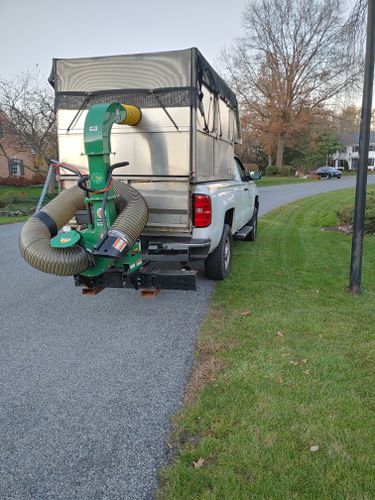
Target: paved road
x,y
275,196
87,385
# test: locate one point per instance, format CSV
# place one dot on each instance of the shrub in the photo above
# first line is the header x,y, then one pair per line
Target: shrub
x,y
286,171
38,178
22,181
14,181
346,214
271,170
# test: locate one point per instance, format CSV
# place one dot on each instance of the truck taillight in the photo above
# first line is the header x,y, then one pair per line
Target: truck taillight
x,y
202,210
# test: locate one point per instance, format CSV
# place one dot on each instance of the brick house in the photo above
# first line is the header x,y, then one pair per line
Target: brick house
x,y
16,159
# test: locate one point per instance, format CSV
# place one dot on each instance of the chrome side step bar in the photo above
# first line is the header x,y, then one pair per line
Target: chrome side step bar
x,y
243,233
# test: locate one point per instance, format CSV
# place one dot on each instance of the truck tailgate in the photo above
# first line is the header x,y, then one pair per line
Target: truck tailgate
x,y
169,203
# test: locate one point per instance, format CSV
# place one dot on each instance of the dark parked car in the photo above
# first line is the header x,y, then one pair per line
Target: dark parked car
x,y
328,172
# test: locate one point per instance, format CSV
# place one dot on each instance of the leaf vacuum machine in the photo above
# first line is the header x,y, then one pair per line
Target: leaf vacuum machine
x,y
107,251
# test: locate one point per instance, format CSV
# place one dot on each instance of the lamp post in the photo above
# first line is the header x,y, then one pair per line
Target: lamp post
x,y
364,139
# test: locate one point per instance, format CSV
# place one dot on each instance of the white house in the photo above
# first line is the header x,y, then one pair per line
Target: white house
x,y
347,155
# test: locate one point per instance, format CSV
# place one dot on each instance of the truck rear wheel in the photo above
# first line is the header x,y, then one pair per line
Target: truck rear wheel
x,y
218,264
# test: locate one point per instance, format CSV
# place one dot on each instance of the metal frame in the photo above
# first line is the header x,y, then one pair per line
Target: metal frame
x,y
149,277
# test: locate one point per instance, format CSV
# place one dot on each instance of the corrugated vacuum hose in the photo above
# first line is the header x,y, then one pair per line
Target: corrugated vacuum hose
x,y
37,231
132,220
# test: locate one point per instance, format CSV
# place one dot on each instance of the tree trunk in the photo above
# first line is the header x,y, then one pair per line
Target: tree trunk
x,y
269,160
280,151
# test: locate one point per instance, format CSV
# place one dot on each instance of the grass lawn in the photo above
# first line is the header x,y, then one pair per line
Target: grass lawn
x,y
19,198
296,354
11,192
276,181
14,198
12,220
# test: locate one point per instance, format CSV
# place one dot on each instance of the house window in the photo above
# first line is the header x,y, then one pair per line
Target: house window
x,y
370,162
16,167
356,148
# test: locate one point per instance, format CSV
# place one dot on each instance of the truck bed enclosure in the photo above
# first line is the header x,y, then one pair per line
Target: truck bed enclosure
x,y
189,125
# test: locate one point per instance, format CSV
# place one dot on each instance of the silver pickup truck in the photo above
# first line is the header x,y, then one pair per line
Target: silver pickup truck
x,y
181,154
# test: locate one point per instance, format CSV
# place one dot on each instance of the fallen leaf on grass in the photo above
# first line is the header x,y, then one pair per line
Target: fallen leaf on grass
x,y
300,362
306,372
279,334
169,445
315,447
279,380
199,463
246,313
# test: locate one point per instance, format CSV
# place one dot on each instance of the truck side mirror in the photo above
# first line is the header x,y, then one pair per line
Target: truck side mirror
x,y
255,176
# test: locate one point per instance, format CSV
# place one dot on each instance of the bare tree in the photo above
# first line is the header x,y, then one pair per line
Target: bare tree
x,y
354,32
288,65
29,116
348,119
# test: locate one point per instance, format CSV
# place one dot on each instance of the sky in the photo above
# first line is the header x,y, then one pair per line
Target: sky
x,y
33,32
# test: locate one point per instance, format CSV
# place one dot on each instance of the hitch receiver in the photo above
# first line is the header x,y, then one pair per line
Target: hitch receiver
x,y
147,278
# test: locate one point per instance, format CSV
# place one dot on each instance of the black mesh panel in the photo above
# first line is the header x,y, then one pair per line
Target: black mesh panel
x,y
173,97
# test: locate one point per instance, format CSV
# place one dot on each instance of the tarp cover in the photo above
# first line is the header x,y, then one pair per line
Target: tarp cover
x,y
173,78
136,71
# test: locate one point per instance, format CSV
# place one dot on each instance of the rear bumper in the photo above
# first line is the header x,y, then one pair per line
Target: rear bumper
x,y
173,248
181,249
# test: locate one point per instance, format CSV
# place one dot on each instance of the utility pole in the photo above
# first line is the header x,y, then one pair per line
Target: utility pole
x,y
364,139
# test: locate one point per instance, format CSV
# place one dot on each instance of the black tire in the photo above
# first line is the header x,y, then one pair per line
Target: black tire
x,y
252,236
218,264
